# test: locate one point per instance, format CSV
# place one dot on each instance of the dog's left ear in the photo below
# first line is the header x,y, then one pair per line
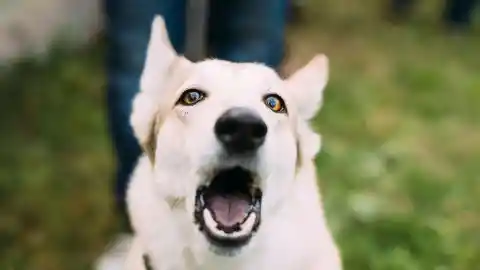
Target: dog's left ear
x,y
161,62
306,86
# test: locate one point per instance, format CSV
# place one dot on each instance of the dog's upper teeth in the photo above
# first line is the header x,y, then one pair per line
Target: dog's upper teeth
x,y
201,200
256,206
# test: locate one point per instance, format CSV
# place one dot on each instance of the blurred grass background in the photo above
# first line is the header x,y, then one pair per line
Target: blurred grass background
x,y
399,168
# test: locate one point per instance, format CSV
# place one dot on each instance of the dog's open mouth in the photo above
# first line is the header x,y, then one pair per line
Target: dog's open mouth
x,y
228,210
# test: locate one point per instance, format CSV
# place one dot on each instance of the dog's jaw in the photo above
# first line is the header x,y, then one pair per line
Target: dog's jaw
x,y
228,208
289,238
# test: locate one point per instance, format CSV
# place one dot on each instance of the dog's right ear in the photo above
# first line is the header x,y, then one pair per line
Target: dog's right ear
x,y
306,86
161,58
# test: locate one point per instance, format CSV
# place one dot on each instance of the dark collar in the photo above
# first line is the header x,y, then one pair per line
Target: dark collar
x,y
146,262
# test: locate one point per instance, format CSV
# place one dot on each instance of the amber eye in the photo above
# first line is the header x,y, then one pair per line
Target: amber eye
x,y
274,103
191,97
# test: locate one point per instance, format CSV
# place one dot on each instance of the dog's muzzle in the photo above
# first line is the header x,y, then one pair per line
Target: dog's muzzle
x,y
228,205
228,210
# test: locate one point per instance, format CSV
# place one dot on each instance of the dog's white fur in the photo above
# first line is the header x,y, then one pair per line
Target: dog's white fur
x,y
182,148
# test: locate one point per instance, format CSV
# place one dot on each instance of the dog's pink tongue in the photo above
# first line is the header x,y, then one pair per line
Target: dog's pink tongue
x,y
230,210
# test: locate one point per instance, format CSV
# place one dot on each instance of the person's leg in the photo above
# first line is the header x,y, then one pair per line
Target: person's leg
x,y
128,24
248,30
128,29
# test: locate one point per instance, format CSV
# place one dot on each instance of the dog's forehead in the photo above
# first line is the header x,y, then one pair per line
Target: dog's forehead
x,y
227,77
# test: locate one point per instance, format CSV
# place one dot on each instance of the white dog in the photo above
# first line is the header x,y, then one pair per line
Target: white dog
x,y
227,180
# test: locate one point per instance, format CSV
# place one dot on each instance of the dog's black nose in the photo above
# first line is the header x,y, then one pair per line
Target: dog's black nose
x,y
240,130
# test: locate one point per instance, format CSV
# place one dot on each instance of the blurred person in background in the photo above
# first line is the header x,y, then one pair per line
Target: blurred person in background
x,y
238,30
457,14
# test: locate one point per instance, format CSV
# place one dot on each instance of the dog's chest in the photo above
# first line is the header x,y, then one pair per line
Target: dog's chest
x,y
253,262
282,252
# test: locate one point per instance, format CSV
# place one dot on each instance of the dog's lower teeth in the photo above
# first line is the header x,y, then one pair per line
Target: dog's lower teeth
x,y
249,222
246,227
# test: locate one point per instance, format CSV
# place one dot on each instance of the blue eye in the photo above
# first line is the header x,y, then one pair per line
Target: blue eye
x,y
274,103
193,95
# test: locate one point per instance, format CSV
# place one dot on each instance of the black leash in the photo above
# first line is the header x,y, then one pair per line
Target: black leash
x,y
146,262
196,29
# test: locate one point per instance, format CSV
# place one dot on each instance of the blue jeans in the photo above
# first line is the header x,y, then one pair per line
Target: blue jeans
x,y
239,31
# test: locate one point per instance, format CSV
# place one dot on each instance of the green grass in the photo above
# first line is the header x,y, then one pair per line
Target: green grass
x,y
399,168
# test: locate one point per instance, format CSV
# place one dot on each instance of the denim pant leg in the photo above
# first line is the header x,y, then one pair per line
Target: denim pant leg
x,y
248,30
128,31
